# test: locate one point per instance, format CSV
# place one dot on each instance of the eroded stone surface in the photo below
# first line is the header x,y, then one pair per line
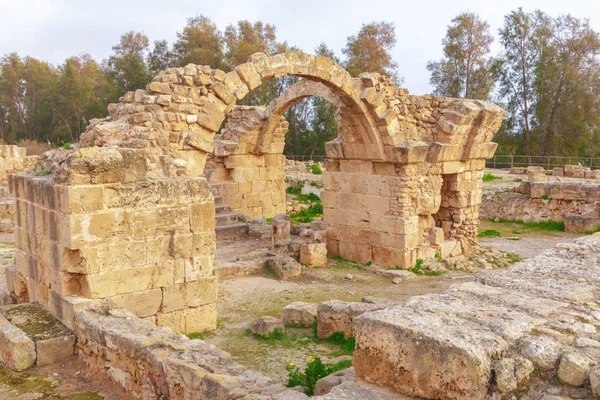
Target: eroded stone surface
x,y
336,316
299,314
17,350
533,310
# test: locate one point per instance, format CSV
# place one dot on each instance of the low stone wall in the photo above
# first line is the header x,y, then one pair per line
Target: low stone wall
x,y
543,201
518,331
155,363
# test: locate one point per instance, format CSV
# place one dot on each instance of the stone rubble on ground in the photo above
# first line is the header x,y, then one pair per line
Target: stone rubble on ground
x,y
299,314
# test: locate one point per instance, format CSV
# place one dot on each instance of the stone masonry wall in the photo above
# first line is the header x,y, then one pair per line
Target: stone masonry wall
x,y
251,184
146,245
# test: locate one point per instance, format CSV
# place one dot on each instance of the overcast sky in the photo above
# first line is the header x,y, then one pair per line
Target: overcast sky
x,y
53,30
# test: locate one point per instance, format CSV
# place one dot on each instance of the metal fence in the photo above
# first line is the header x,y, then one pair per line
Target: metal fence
x,y
505,161
548,162
307,158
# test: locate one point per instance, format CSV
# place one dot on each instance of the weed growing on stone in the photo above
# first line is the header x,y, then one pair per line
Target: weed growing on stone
x,y
489,233
418,269
309,214
315,370
347,346
490,177
342,263
438,255
315,169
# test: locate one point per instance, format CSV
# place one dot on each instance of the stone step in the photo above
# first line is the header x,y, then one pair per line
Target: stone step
x,y
223,209
226,219
219,201
30,335
231,231
232,269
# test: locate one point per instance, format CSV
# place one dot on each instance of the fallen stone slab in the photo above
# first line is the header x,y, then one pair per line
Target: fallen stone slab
x,y
424,354
360,390
299,314
314,254
17,351
336,316
264,326
539,316
285,266
324,385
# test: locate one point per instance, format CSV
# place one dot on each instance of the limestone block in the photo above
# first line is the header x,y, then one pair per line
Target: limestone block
x,y
543,351
537,177
581,223
190,294
299,314
574,369
50,351
336,316
558,171
324,385
518,170
141,304
570,170
595,382
264,326
534,169
314,254
281,226
511,372
285,267
200,319
17,351
424,354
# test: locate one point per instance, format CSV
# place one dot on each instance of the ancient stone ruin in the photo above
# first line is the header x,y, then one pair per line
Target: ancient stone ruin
x,y
132,218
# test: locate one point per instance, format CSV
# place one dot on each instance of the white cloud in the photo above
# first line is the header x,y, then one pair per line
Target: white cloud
x,y
56,29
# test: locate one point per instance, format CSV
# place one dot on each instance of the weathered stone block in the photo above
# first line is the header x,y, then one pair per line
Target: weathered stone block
x,y
314,254
336,316
299,314
17,351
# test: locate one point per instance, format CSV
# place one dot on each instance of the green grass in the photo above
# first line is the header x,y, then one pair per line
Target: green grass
x,y
346,345
489,233
309,214
295,190
200,335
342,263
490,177
554,226
314,371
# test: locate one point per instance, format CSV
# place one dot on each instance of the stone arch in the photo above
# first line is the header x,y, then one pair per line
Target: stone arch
x,y
350,119
183,108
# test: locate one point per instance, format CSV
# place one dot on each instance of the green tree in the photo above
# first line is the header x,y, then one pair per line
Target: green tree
x,y
568,87
128,63
83,92
161,57
200,43
370,50
515,71
465,69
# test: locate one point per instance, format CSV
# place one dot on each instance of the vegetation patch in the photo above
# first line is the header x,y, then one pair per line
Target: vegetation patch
x,y
490,177
555,226
489,233
314,370
316,170
342,263
418,269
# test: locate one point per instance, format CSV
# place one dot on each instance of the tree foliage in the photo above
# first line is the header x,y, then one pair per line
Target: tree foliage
x,y
465,69
370,50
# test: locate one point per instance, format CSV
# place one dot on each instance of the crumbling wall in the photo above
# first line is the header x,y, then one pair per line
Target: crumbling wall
x,y
92,231
250,183
131,217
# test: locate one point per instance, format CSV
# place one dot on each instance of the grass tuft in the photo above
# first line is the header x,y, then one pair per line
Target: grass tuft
x,y
489,233
490,177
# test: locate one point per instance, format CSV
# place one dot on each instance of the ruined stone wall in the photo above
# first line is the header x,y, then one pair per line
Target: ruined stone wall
x,y
132,218
543,201
89,232
251,184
